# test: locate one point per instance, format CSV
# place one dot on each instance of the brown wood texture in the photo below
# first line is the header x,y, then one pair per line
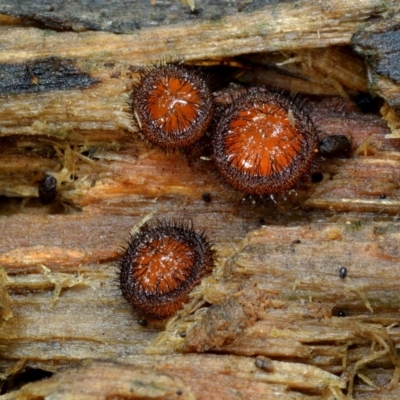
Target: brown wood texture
x,y
270,312
177,377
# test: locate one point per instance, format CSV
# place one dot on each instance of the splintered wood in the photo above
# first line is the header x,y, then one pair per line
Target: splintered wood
x,y
276,315
179,377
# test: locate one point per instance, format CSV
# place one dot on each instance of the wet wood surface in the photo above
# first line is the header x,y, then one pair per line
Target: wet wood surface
x,y
275,313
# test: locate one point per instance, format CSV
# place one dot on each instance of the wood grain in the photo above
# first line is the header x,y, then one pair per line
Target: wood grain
x,y
271,309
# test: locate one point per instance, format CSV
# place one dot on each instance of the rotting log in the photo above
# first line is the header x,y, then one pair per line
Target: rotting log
x,y
180,377
272,310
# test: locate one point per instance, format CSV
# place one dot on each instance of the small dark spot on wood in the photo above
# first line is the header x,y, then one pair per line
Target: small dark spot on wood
x,y
216,17
47,189
264,363
317,177
206,197
90,152
28,375
196,11
334,146
368,104
342,272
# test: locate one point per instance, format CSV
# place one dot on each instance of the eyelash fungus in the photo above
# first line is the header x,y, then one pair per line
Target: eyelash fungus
x,y
173,106
163,262
263,143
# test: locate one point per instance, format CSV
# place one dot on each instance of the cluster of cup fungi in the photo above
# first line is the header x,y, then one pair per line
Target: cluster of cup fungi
x,y
262,144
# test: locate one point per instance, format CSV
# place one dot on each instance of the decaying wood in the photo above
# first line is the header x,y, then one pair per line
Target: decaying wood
x,y
284,26
109,58
119,179
279,301
271,309
378,43
181,377
5,307
330,71
124,16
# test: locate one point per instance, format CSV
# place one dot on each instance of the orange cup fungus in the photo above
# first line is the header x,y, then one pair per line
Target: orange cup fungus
x,y
263,143
173,106
163,262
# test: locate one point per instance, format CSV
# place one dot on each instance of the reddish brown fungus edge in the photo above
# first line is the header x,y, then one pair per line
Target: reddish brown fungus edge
x,y
275,182
149,128
160,305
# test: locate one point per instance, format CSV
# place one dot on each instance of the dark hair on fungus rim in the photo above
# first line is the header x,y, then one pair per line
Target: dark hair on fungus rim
x,y
173,106
163,262
263,143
